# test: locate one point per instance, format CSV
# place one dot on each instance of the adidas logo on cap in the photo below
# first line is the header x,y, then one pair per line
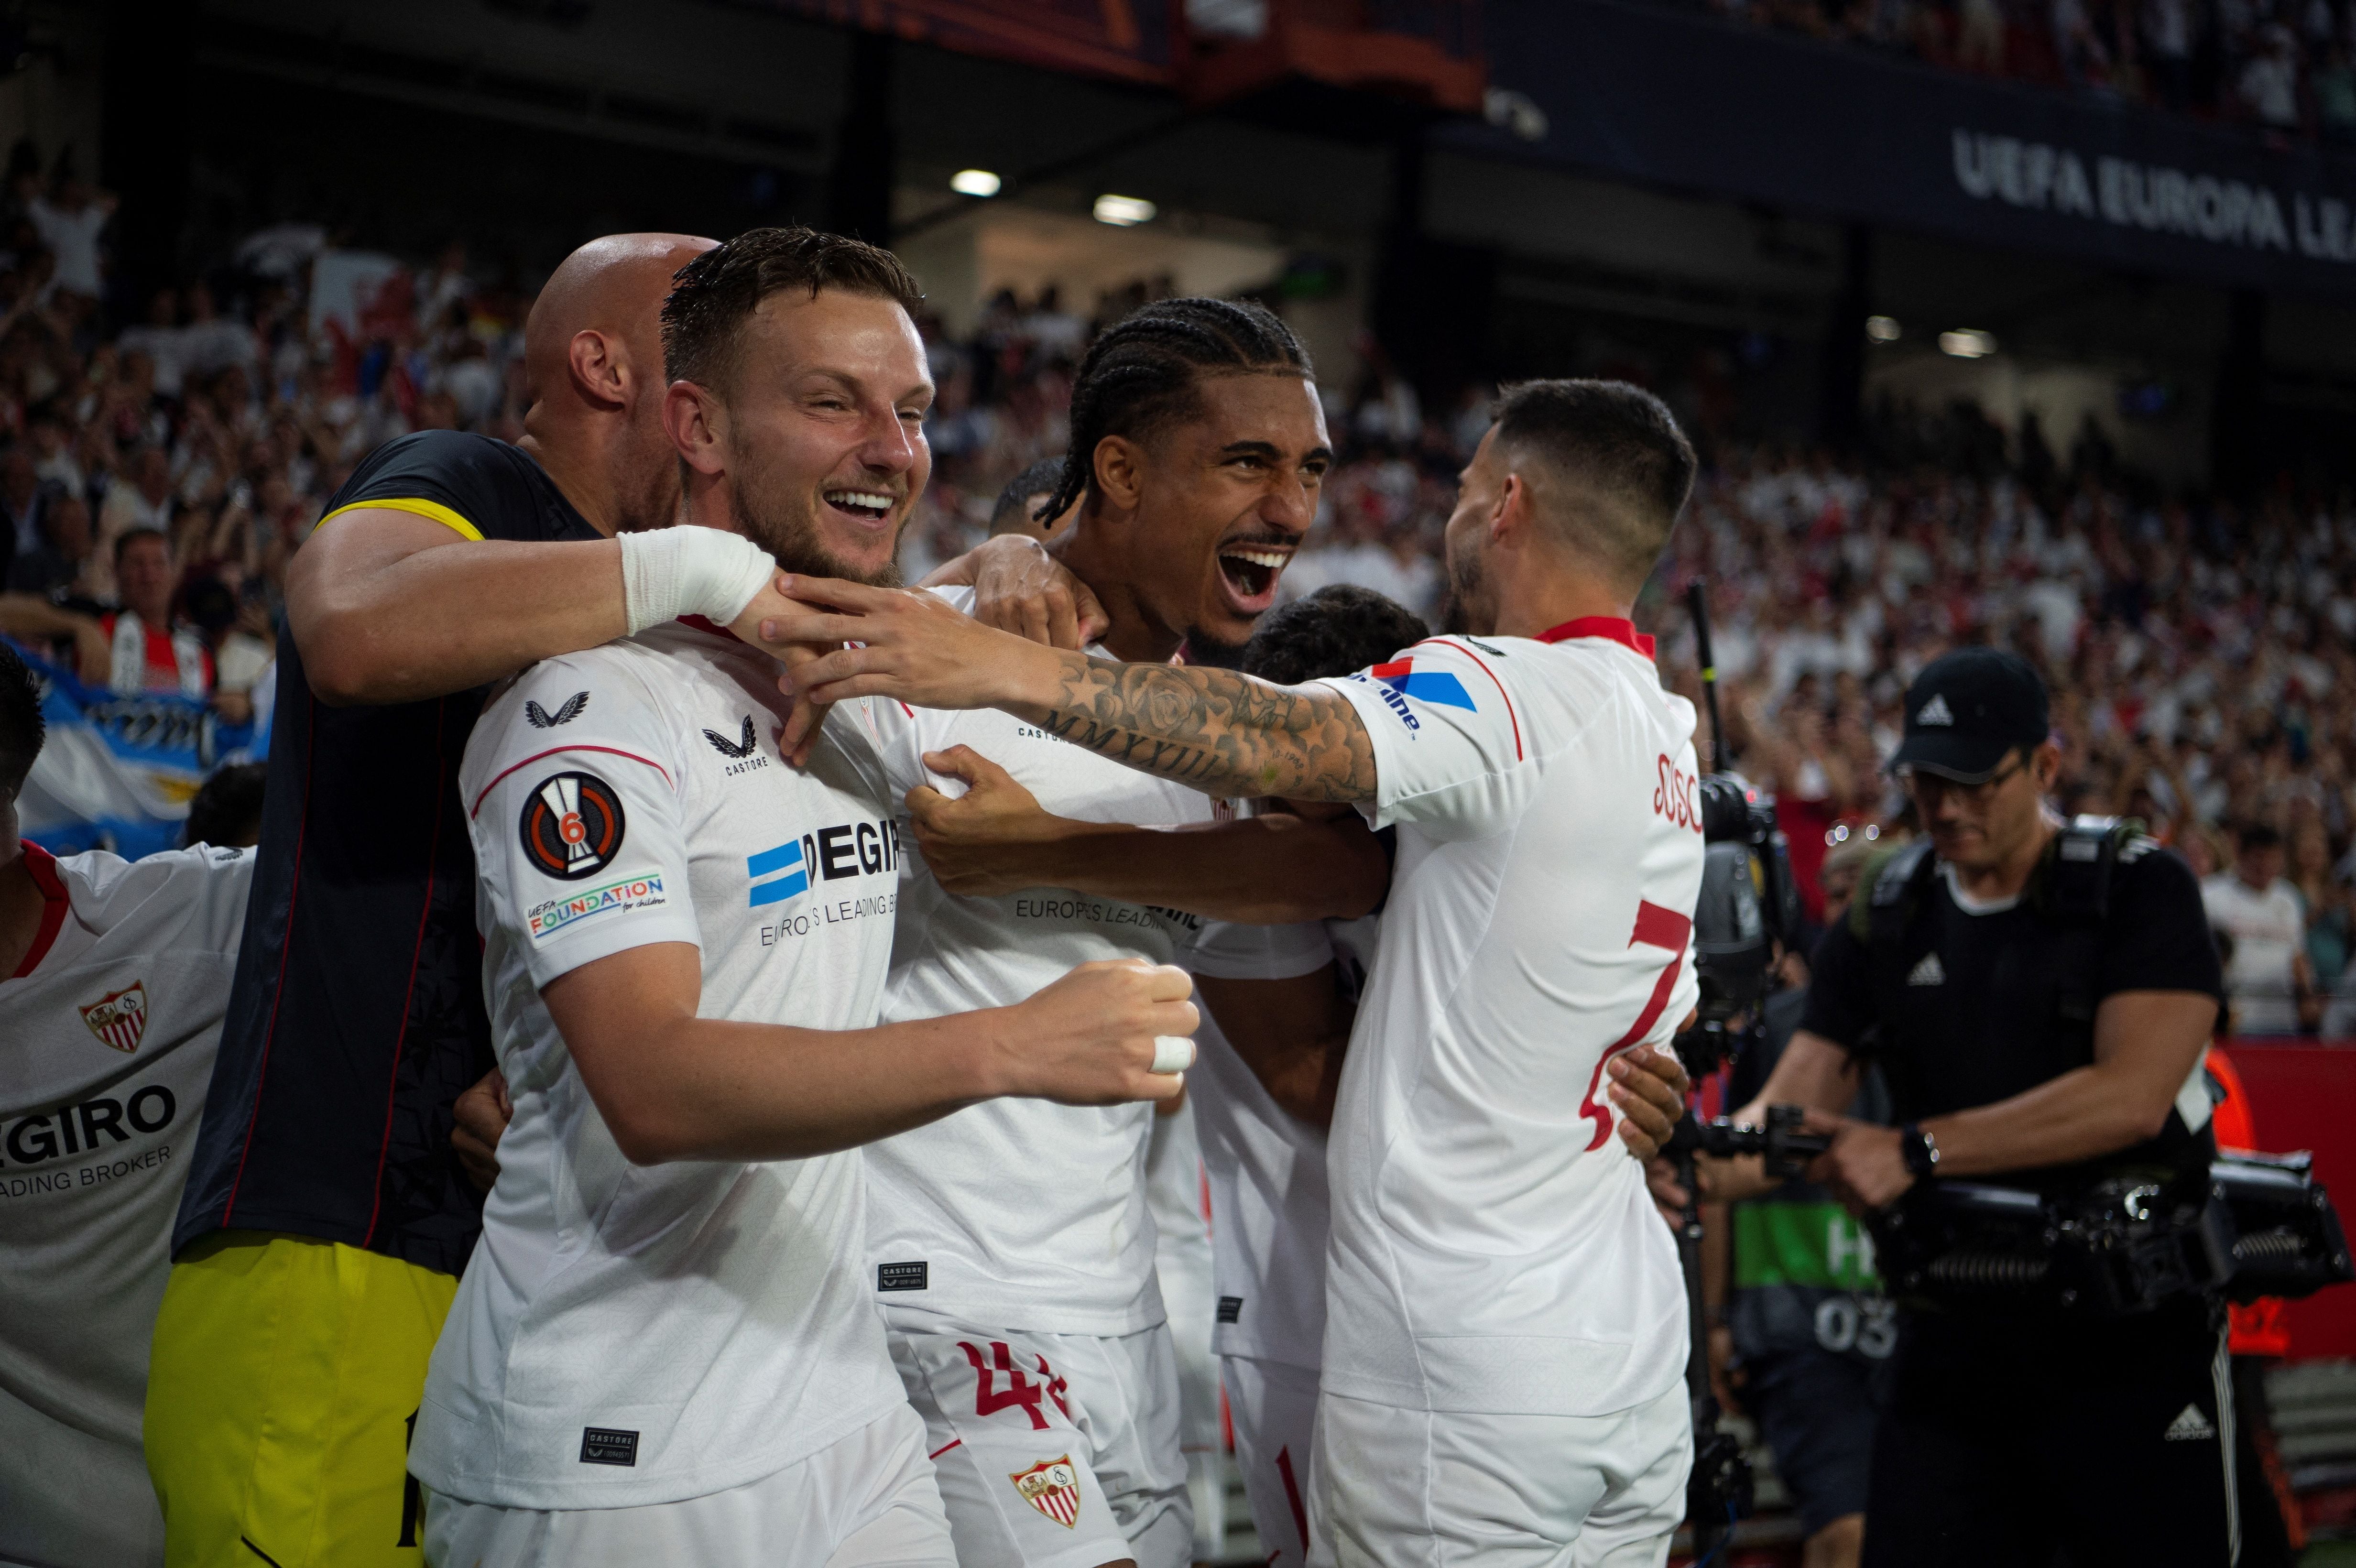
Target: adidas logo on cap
x,y
1929,972
1935,711
2189,1425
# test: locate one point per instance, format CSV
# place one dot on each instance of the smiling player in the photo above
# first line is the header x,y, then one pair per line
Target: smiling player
x,y
661,1350
1012,1250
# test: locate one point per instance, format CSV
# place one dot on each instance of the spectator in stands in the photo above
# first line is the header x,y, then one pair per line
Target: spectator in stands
x,y
55,567
70,220
2268,985
2268,83
150,650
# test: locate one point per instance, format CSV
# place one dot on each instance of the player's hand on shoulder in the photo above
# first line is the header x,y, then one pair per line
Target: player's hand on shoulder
x,y
1648,1086
912,646
1018,587
1094,1038
802,722
978,844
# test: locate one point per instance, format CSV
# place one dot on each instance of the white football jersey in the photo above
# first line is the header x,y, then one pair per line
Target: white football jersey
x,y
1494,1249
627,1335
1269,1208
108,1030
1019,1213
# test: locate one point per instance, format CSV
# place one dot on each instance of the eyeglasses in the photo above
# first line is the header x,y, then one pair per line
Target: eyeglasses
x,y
1930,788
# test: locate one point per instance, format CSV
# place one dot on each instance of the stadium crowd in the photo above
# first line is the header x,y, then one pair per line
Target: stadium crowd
x,y
2285,67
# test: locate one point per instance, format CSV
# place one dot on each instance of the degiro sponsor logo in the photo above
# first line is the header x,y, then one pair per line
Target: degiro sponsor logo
x,y
830,854
627,893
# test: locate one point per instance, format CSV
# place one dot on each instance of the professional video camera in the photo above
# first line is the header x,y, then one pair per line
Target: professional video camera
x,y
1750,901
2260,1226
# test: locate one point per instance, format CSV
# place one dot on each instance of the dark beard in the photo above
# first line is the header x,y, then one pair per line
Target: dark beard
x,y
1464,584
1202,649
792,541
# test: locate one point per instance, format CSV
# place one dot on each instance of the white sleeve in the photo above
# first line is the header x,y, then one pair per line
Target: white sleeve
x,y
579,831
1226,951
1449,753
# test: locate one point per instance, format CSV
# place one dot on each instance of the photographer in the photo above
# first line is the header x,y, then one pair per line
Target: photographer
x,y
2027,1042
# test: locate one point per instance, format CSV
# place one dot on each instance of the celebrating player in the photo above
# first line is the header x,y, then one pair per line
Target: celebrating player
x,y
1279,1003
661,1351
115,977
1013,1249
1504,1307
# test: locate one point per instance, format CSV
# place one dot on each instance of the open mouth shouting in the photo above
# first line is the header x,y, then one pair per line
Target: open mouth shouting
x,y
1249,572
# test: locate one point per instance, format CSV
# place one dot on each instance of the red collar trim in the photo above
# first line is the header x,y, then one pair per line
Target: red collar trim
x,y
1611,628
44,867
705,623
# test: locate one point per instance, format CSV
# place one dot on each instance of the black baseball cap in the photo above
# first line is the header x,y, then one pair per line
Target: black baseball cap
x,y
1967,709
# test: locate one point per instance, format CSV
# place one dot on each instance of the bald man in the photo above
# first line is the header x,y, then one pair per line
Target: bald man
x,y
324,1219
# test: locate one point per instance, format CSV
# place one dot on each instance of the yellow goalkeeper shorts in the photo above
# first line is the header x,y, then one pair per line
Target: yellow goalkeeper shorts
x,y
281,1393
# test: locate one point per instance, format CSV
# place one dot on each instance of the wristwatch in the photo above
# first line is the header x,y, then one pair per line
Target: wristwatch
x,y
1920,1150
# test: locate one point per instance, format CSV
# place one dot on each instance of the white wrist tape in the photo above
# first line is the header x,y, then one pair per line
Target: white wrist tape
x,y
1172,1053
689,570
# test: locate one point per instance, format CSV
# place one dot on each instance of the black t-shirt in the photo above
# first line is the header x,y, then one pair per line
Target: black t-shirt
x,y
356,1018
1968,1009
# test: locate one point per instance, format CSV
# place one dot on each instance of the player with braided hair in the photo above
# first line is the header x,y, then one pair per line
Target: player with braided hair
x,y
1013,1254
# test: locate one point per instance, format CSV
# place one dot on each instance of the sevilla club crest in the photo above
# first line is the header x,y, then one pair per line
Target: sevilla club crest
x,y
1052,1487
120,1018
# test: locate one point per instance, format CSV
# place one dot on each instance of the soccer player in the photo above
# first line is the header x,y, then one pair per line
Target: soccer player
x,y
1278,1003
663,1350
326,1213
112,979
1013,1250
1506,1322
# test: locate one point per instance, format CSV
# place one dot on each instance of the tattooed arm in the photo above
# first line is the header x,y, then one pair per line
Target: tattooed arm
x,y
1211,730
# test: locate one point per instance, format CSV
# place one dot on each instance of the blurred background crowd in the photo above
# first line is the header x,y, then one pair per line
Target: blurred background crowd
x,y
2286,66
156,474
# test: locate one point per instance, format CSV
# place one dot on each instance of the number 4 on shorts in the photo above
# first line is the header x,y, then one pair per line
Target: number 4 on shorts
x,y
1020,1392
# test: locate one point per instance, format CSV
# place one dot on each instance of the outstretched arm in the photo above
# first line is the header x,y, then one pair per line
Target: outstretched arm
x,y
1211,729
1277,868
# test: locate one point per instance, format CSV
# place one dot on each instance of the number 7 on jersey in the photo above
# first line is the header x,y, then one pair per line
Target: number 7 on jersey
x,y
1655,927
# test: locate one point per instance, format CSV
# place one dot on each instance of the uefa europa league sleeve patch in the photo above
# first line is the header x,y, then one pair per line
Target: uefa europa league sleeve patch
x,y
571,825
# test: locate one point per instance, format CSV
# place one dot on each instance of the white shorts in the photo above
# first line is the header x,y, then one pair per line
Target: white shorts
x,y
1273,1408
863,1502
1053,1450
1419,1489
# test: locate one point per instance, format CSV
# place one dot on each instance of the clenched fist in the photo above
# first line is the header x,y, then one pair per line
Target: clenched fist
x,y
1094,1036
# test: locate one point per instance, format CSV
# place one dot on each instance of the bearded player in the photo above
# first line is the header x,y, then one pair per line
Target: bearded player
x,y
1506,1321
1278,1002
1012,1248
661,1350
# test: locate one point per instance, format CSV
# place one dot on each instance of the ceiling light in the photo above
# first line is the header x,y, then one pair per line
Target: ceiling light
x,y
974,182
1968,343
1881,328
1124,212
